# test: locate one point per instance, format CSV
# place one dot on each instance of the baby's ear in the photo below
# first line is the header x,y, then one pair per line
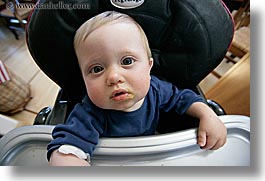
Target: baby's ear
x,y
151,62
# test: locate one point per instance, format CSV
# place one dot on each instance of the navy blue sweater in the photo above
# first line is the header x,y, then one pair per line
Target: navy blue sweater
x,y
87,122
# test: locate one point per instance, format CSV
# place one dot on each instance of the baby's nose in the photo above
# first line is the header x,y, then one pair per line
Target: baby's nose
x,y
114,77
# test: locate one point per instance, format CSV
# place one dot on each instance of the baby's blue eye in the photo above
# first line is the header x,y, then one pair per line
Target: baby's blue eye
x,y
97,69
127,61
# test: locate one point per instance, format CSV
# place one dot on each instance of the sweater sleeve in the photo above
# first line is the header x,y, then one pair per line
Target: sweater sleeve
x,y
172,98
82,129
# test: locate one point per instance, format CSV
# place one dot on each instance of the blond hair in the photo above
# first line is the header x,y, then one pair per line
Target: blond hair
x,y
104,18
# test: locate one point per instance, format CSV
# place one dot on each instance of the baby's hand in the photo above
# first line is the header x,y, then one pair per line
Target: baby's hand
x,y
211,132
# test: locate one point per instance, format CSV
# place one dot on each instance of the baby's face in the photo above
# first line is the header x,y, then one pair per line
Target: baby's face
x,y
115,66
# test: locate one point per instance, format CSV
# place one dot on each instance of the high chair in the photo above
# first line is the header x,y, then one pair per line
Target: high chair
x,y
186,45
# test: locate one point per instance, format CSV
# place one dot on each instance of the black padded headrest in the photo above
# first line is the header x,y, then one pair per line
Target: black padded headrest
x,y
188,38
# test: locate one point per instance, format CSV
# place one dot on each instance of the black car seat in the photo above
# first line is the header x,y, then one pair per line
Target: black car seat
x,y
188,39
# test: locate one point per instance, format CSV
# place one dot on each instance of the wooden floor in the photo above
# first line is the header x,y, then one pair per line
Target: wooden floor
x,y
15,55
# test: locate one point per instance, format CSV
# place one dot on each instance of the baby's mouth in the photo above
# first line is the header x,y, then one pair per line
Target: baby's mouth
x,y
121,94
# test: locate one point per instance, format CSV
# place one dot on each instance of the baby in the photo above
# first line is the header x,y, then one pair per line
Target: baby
x,y
123,99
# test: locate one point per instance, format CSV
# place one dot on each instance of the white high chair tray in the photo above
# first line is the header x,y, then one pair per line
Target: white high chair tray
x,y
27,146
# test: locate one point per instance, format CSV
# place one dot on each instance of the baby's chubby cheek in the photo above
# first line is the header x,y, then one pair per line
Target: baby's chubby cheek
x,y
95,94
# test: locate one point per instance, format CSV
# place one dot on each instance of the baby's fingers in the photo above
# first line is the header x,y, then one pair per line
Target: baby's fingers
x,y
218,144
213,143
210,143
201,140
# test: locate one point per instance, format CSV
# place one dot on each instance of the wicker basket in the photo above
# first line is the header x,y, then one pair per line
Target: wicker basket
x,y
14,94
